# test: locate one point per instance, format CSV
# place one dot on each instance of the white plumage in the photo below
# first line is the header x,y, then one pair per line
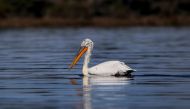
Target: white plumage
x,y
108,68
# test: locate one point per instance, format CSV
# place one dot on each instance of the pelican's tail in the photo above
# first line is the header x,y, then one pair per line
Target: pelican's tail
x,y
128,73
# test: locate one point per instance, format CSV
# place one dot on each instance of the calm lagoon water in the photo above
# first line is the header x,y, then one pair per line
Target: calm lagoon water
x,y
34,74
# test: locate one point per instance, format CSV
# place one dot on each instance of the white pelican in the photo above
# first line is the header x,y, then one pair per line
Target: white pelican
x,y
108,68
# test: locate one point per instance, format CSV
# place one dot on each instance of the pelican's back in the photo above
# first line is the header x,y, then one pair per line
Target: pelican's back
x,y
109,68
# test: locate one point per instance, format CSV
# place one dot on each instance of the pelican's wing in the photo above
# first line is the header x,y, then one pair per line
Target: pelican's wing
x,y
109,68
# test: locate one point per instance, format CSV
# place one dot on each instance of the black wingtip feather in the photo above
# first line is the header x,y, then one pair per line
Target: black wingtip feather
x,y
126,74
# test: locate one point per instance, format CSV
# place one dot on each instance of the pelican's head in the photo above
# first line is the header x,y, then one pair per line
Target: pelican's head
x,y
86,45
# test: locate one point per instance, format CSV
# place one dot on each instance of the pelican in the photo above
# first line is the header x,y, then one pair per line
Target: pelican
x,y
108,68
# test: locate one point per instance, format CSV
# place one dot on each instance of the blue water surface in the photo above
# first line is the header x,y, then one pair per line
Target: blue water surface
x,y
34,70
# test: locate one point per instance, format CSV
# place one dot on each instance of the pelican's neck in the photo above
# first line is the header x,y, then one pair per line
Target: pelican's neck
x,y
86,61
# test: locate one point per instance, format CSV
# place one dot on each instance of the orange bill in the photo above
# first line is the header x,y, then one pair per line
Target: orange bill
x,y
78,56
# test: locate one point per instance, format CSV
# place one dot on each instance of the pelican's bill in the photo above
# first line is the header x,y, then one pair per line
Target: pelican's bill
x,y
78,56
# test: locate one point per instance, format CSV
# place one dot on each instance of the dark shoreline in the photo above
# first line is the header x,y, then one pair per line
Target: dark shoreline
x,y
96,22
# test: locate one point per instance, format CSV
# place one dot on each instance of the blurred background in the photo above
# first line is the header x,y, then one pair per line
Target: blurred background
x,y
94,12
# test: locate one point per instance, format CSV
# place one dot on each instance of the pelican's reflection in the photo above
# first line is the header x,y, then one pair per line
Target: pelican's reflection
x,y
89,82
86,93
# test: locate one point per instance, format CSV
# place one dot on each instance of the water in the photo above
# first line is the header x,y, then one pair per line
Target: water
x,y
34,74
